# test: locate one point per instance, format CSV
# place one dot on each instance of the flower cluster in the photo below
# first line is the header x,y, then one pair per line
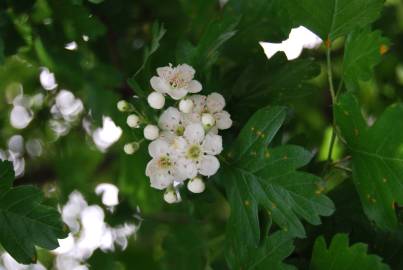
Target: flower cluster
x,y
185,140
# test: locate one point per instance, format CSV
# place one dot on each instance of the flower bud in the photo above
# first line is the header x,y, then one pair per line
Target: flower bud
x,y
207,120
196,185
133,121
156,100
186,105
123,106
131,148
151,132
170,196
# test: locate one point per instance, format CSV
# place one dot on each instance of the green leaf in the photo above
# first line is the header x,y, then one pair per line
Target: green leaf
x,y
2,57
262,177
333,18
377,158
363,50
276,80
158,31
24,221
6,176
269,255
205,53
340,255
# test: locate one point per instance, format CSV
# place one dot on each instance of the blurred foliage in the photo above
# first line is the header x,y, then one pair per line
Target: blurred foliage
x,y
119,45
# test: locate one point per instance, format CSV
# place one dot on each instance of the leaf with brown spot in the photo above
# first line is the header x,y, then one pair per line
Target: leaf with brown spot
x,y
377,159
271,183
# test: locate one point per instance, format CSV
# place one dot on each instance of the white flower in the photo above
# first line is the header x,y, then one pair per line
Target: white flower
x,y
133,121
213,105
161,169
199,155
174,121
156,100
176,82
196,185
151,132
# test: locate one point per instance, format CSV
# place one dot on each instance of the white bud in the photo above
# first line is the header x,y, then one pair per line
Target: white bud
x,y
151,132
156,100
208,120
123,106
196,185
186,105
133,121
170,196
131,148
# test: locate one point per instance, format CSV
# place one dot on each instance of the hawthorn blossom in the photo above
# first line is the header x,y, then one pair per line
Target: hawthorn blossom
x,y
162,169
184,137
176,82
212,105
174,121
199,155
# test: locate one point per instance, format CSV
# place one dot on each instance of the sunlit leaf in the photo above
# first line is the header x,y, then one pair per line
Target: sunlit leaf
x,y
363,51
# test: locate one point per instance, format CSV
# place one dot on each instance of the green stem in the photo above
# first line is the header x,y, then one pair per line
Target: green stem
x,y
333,95
332,142
330,75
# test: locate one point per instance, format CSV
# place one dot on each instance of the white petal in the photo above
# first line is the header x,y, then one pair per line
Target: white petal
x,y
199,102
161,179
223,120
190,118
177,93
178,146
169,119
164,72
213,130
151,167
167,136
209,165
160,85
186,72
158,148
194,86
212,144
215,102
184,169
194,133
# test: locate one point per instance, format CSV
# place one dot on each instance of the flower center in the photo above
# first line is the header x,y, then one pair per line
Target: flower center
x,y
164,162
180,130
194,152
177,81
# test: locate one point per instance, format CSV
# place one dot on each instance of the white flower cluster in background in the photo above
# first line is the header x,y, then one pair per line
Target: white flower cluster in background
x,y
185,140
89,232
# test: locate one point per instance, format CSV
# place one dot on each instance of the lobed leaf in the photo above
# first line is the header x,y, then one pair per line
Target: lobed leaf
x,y
24,221
339,255
377,158
331,19
268,178
363,50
